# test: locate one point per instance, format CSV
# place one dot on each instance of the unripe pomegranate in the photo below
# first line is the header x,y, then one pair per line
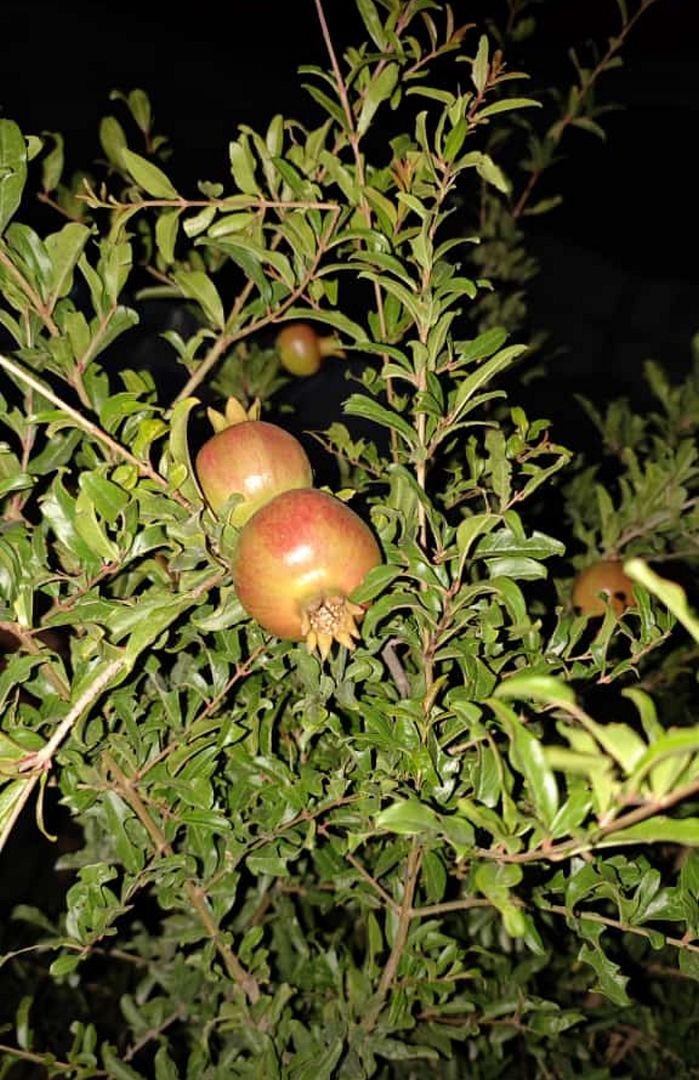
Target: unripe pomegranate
x,y
606,577
302,351
250,458
297,561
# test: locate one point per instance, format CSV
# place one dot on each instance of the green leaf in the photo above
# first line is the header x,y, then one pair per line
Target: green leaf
x,y
13,170
483,374
656,830
610,982
495,880
64,249
379,89
65,965
492,173
544,688
140,109
473,527
109,499
179,448
479,68
671,594
372,22
243,165
151,621
115,1066
375,582
113,139
52,164
198,286
527,755
506,105
166,228
331,107
89,528
148,176
484,345
361,405
408,817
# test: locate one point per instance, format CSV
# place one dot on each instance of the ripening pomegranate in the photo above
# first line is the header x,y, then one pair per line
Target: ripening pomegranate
x,y
302,351
296,562
605,577
250,458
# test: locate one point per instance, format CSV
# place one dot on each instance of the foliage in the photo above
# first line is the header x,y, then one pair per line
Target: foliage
x,y
425,855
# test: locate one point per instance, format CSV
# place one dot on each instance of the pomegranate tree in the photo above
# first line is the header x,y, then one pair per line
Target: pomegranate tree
x,y
297,561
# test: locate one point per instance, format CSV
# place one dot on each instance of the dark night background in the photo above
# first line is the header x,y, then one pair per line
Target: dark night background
x,y
619,272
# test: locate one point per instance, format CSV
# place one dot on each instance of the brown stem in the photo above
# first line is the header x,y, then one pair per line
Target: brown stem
x,y
29,645
354,139
449,905
617,924
44,1059
87,356
195,895
388,654
412,871
179,1014
44,197
586,85
387,899
568,848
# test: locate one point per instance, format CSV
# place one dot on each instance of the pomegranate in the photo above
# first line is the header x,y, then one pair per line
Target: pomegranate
x,y
302,351
606,577
297,561
250,458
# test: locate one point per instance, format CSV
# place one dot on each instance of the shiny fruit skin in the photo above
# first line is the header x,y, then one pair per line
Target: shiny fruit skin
x,y
300,349
254,459
299,549
603,577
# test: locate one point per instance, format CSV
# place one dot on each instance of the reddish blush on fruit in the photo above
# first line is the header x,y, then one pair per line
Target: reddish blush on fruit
x,y
253,459
297,561
608,578
302,351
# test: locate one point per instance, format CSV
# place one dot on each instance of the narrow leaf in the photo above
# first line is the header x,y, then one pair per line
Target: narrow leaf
x,y
148,176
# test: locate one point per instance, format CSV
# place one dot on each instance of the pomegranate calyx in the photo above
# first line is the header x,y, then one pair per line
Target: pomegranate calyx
x,y
235,413
332,618
330,346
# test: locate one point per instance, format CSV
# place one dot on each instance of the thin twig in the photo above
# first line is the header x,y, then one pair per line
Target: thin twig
x,y
412,871
38,762
228,338
586,85
617,924
376,886
144,468
600,837
33,297
29,645
127,788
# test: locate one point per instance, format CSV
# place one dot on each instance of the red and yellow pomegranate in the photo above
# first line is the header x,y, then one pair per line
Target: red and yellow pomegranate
x,y
606,577
302,351
250,458
297,561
